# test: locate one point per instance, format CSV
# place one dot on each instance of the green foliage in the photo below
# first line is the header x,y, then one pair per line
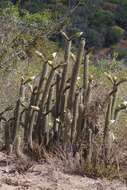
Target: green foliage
x,y
105,65
9,11
5,3
121,16
89,17
121,53
117,32
103,17
95,38
114,34
44,17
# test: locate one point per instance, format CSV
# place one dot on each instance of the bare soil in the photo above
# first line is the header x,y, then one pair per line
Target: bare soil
x,y
16,174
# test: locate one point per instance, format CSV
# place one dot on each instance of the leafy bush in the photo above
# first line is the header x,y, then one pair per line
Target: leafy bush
x,y
122,53
117,32
103,17
95,38
121,16
114,34
44,17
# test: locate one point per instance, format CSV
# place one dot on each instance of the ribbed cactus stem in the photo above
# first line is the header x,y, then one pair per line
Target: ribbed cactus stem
x,y
79,123
106,131
64,73
41,83
57,103
47,88
7,135
75,74
18,147
43,128
114,97
90,148
86,76
42,102
58,93
88,93
60,128
67,127
48,104
19,108
36,102
28,117
107,119
75,117
65,68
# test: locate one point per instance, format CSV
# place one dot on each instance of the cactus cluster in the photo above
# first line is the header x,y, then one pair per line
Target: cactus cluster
x,y
59,112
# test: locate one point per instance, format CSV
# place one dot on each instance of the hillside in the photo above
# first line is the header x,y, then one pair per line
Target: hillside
x,y
103,22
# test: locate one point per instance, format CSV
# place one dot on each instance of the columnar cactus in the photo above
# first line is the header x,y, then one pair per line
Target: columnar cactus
x,y
65,68
60,112
19,108
106,131
74,74
75,117
42,102
36,102
86,76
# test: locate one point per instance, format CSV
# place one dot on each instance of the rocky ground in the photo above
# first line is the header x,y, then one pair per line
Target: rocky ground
x,y
17,174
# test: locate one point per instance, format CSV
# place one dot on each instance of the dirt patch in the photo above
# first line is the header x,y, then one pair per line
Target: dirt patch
x,y
18,174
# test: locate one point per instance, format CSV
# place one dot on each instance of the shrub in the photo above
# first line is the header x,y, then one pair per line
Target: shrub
x,y
117,31
44,17
103,17
122,53
95,38
114,34
121,16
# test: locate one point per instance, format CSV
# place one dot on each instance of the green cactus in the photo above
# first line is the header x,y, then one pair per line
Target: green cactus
x,y
79,123
75,117
7,135
75,74
35,100
106,131
86,77
65,69
28,115
90,147
19,108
